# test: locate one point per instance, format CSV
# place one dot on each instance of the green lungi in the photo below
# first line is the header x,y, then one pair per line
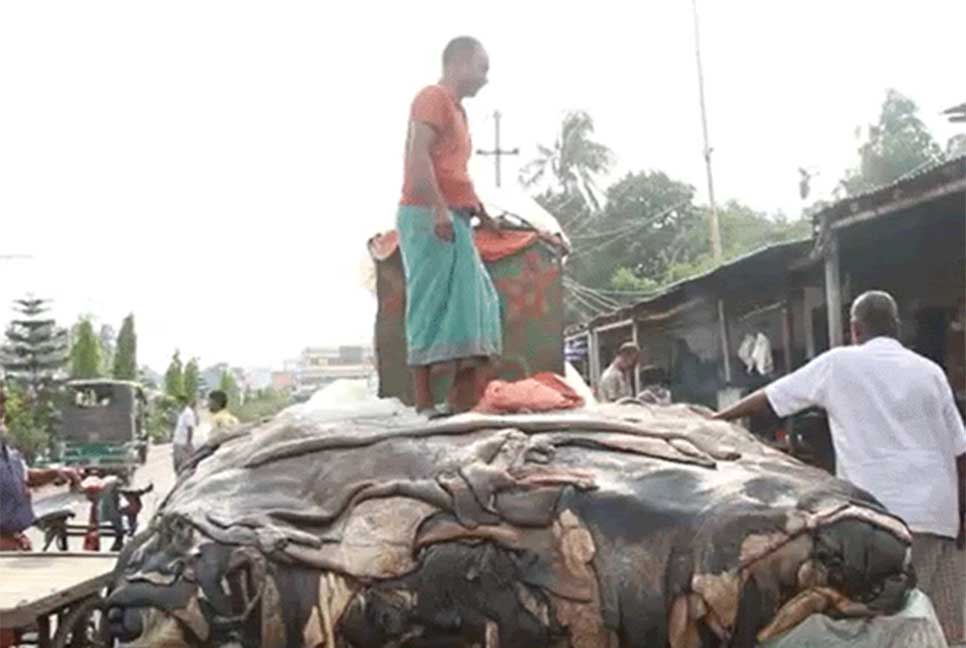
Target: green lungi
x,y
452,307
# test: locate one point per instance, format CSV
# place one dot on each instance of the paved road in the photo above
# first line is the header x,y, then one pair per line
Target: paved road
x,y
157,470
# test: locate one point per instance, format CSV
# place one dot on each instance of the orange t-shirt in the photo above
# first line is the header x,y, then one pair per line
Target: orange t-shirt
x,y
450,153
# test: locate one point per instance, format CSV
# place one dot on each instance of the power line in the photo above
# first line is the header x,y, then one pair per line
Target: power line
x,y
650,221
589,295
593,299
594,311
570,281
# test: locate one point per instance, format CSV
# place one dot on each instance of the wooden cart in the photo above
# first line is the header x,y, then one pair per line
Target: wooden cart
x,y
55,600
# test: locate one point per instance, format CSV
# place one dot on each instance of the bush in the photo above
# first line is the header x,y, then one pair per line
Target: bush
x,y
261,404
162,415
28,426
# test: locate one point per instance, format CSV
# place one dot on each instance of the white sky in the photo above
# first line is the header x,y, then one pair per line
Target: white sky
x,y
152,152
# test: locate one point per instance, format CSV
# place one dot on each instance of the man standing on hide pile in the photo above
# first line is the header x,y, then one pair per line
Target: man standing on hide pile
x,y
897,435
452,308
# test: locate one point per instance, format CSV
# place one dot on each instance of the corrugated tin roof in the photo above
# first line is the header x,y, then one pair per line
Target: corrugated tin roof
x,y
790,248
918,182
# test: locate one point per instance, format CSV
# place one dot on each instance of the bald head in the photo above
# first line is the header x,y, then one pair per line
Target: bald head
x,y
874,314
465,66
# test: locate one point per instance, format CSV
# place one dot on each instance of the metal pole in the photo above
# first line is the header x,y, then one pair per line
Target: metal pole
x,y
497,152
496,127
715,228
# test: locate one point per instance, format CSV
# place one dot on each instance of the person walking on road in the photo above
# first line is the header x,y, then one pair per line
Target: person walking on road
x,y
897,434
452,307
182,441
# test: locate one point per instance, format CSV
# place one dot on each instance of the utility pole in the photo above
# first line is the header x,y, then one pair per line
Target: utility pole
x,y
497,152
715,228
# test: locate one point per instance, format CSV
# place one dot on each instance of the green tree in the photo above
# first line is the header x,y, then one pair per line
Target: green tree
x,y
28,425
571,169
897,144
743,230
229,385
126,353
85,354
35,351
107,339
646,228
192,378
174,377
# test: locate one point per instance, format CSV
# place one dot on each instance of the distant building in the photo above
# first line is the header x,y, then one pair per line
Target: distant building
x,y
257,378
283,380
318,366
211,376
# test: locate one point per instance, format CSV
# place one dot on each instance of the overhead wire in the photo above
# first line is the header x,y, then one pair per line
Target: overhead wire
x,y
591,294
649,221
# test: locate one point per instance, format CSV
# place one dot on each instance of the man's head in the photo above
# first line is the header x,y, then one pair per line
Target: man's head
x,y
217,401
874,314
628,356
465,65
186,400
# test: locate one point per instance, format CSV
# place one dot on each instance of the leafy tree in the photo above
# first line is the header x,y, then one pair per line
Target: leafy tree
x,y
897,144
570,168
743,230
85,354
645,228
192,378
627,281
174,377
36,349
229,385
649,233
27,424
107,339
126,355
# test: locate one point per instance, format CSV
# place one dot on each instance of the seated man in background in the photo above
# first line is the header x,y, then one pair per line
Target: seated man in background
x,y
617,381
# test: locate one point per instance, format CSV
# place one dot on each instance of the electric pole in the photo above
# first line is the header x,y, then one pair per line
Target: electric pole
x,y
497,152
715,228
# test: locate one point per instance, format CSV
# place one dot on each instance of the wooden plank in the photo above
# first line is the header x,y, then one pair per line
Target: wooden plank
x,y
35,584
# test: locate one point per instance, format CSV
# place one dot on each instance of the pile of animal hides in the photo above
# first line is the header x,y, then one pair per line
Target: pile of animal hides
x,y
621,525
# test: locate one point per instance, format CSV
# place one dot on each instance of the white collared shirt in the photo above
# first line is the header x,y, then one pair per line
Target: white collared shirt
x,y
894,425
187,422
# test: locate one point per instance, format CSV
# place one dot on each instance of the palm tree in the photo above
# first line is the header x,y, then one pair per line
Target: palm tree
x,y
574,161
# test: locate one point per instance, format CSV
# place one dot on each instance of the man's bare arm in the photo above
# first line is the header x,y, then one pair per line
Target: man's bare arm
x,y
419,166
750,405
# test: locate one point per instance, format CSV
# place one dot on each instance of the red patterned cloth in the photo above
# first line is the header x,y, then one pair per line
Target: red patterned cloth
x,y
492,246
542,392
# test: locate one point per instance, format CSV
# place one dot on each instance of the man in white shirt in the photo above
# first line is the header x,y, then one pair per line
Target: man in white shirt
x,y
616,381
897,434
183,439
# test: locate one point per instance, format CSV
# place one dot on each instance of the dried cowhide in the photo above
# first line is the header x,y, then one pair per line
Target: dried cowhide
x,y
618,526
